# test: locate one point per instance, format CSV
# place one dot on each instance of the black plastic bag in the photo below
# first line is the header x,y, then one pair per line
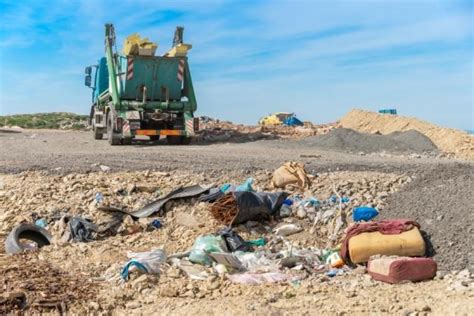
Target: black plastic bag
x,y
233,240
257,205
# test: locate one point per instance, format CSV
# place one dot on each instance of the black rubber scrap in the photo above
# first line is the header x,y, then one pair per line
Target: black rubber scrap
x,y
31,232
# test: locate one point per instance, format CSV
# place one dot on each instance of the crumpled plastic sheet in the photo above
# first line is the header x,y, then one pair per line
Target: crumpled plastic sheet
x,y
255,278
148,262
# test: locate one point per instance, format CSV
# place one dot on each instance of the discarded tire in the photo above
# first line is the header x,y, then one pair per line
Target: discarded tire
x,y
31,232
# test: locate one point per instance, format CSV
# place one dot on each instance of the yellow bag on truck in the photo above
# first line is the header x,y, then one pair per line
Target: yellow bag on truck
x,y
409,244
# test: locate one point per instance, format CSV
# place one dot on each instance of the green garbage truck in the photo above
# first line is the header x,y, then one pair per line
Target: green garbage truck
x,y
136,93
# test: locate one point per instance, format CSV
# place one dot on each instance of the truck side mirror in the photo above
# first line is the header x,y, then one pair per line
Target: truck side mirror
x,y
87,80
88,70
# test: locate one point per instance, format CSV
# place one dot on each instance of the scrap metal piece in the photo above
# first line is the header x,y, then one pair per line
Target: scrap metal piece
x,y
183,192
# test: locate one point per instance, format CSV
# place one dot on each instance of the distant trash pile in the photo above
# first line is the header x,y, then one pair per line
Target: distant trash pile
x,y
214,130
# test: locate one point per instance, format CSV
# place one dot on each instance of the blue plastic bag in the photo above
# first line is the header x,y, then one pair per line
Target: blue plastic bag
x,y
246,186
364,213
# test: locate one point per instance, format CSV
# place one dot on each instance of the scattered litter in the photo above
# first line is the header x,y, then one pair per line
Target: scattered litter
x,y
184,192
81,229
254,278
333,272
399,269
104,168
156,223
240,207
364,213
146,262
203,245
193,271
41,222
291,173
389,237
39,236
257,242
287,229
99,198
227,259
256,261
233,240
285,210
246,186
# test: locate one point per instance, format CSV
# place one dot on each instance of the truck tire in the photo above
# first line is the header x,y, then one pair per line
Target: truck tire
x,y
173,140
26,231
185,140
112,137
178,140
155,138
97,134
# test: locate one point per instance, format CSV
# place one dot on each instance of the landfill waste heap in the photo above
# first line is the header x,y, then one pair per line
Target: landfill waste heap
x,y
123,240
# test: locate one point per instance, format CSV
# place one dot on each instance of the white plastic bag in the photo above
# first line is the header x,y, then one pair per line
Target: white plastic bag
x,y
146,262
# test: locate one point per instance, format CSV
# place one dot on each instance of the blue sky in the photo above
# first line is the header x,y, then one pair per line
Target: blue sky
x,y
249,58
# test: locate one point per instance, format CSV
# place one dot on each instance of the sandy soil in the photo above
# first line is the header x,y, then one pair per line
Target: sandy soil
x,y
46,171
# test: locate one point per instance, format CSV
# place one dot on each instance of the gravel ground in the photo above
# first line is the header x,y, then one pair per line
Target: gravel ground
x,y
439,197
348,140
441,200
69,151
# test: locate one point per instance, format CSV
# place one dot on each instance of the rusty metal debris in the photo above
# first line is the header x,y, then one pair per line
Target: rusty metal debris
x,y
225,209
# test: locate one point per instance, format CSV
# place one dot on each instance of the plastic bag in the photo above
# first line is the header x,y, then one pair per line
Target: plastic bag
x,y
291,173
233,240
246,186
204,244
364,213
287,229
256,206
256,262
147,262
253,278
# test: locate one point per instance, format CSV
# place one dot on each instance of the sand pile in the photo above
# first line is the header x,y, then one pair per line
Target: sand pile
x,y
344,139
446,139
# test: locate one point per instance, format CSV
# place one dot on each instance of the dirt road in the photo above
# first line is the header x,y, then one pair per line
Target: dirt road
x,y
71,151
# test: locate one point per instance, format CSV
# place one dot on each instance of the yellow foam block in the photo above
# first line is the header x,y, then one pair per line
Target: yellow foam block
x,y
179,50
134,45
365,245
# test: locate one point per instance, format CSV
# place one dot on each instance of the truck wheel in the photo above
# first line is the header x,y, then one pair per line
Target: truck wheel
x,y
173,140
155,138
97,134
185,140
178,140
112,137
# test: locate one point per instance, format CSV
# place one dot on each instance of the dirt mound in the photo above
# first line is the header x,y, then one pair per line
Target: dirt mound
x,y
446,139
35,284
344,139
